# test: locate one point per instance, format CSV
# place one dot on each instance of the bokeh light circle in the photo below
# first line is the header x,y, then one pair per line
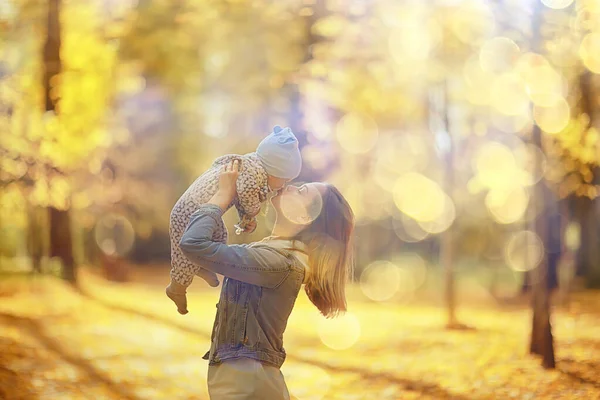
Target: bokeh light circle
x,y
306,382
532,161
477,80
114,234
524,251
419,197
408,230
552,119
495,165
413,42
573,236
415,265
512,123
557,4
443,220
509,95
397,154
341,332
380,280
301,205
357,133
498,55
545,85
473,22
507,206
589,51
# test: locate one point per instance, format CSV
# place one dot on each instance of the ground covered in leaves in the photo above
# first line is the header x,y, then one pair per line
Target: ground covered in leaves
x,y
126,341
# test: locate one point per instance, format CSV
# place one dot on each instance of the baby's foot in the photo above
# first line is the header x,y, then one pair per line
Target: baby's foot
x,y
177,293
209,277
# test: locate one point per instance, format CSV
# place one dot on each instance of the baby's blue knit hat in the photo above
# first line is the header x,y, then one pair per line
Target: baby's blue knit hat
x,y
280,154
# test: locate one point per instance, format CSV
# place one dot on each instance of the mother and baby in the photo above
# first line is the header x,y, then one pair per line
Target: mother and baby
x,y
310,246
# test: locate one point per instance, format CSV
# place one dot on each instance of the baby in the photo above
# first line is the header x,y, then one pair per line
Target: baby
x,y
276,161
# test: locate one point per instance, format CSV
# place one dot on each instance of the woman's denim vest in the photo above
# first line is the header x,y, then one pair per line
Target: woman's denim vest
x,y
257,296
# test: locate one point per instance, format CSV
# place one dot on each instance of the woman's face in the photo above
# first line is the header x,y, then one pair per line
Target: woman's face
x,y
296,207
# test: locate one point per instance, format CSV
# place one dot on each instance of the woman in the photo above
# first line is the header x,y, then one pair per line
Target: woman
x,y
310,244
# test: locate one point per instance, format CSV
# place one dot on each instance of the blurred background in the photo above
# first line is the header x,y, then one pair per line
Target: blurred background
x,y
464,134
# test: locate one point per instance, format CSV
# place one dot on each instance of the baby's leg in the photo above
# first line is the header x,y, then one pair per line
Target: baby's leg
x,y
182,269
209,276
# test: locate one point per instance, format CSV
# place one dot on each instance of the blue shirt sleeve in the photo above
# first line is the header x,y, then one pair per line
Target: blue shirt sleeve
x,y
258,265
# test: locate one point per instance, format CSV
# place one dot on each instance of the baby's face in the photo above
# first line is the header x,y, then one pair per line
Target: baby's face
x,y
275,183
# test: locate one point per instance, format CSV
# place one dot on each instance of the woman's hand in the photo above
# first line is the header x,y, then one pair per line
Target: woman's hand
x,y
227,185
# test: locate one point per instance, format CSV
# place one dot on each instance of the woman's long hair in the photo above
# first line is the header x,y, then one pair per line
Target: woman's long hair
x,y
330,255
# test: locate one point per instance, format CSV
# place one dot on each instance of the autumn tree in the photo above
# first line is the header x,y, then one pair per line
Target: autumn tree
x,y
57,119
572,141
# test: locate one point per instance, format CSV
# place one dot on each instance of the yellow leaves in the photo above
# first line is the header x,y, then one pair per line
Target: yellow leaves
x,y
330,26
592,137
12,207
285,57
15,169
40,195
401,351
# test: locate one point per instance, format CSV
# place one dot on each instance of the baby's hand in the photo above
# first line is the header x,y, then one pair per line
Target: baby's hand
x,y
250,226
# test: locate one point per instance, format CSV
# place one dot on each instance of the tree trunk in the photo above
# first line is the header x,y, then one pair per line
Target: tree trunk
x,y
588,256
60,222
542,342
35,239
446,240
61,244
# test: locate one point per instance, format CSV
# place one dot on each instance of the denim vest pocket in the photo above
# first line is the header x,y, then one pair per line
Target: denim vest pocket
x,y
250,337
240,304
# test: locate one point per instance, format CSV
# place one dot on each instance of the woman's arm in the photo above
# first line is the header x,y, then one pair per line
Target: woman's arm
x,y
261,266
